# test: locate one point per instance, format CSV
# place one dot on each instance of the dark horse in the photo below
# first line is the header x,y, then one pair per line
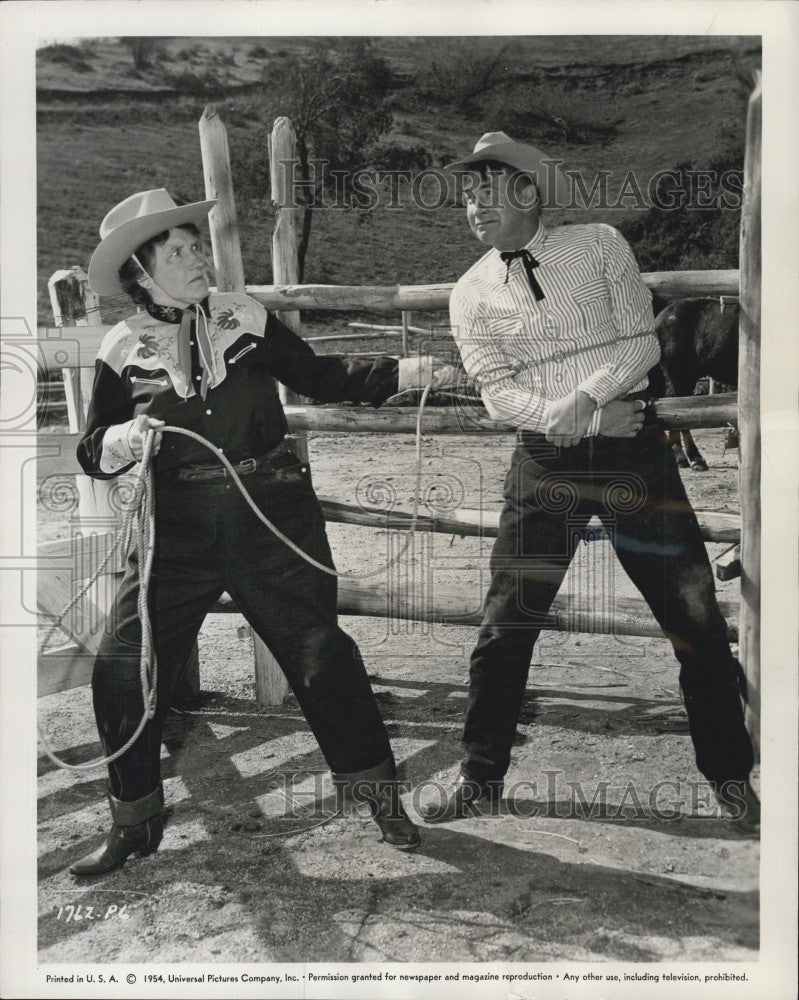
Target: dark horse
x,y
697,337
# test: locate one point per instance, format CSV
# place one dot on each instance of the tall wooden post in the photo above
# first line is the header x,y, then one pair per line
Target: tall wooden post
x,y
271,686
285,243
223,224
749,421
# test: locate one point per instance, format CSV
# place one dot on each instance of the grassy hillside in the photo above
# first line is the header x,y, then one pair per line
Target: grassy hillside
x,y
641,104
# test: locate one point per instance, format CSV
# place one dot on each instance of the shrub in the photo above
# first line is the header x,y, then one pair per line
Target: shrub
x,y
686,237
68,55
456,70
203,85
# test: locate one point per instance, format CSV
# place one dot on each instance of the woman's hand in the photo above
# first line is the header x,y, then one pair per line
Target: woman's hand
x,y
418,372
137,428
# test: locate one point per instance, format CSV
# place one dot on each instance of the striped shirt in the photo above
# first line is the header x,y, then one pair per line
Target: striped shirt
x,y
593,330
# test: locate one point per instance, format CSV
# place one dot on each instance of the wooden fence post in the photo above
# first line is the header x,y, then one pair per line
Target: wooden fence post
x,y
271,686
222,220
749,422
72,301
285,245
406,322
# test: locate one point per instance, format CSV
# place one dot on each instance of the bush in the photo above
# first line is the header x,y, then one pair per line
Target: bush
x,y
456,70
68,55
686,237
203,85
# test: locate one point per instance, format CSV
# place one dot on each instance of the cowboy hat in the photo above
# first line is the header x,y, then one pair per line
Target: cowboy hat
x,y
131,223
548,176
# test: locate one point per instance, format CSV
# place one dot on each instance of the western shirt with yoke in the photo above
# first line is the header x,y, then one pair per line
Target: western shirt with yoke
x,y
593,329
237,349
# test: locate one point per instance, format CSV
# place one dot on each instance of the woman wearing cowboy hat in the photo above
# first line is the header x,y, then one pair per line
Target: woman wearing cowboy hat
x,y
207,363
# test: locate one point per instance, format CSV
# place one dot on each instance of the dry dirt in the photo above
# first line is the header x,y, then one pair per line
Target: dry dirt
x,y
238,878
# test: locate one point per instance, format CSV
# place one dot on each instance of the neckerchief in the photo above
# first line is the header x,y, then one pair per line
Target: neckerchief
x,y
193,323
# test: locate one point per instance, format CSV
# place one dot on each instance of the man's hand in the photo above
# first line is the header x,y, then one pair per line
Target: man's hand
x,y
135,434
622,418
568,419
416,373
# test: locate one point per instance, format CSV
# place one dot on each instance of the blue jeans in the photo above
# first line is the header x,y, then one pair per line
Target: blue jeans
x,y
209,541
634,486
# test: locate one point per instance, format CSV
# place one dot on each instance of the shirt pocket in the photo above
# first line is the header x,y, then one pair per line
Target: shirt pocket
x,y
161,380
237,355
593,301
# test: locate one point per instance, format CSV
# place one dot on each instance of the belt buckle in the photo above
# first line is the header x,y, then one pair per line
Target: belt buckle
x,y
247,466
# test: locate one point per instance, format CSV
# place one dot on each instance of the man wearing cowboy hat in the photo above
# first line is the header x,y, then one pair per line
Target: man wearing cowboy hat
x,y
207,363
555,326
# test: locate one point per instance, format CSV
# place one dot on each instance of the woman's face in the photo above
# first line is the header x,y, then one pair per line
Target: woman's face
x,y
178,274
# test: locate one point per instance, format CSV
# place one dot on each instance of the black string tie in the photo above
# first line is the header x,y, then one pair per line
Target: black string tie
x,y
529,264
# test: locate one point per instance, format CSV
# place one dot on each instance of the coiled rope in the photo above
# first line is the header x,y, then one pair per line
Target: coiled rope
x,y
142,512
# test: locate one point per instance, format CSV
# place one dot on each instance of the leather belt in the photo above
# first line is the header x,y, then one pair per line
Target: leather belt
x,y
278,457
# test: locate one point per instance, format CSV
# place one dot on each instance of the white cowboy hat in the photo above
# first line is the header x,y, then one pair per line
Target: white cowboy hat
x,y
131,223
548,176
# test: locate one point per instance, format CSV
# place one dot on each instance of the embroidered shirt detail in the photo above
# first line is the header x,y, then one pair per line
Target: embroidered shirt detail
x,y
227,321
241,353
149,342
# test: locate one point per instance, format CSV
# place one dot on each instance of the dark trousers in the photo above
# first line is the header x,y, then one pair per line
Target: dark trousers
x,y
634,486
209,541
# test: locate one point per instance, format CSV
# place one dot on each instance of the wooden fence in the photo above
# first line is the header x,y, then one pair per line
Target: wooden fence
x,y
72,345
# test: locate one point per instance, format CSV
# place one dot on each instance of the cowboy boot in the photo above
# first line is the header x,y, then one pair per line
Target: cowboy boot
x,y
467,797
378,788
137,829
739,803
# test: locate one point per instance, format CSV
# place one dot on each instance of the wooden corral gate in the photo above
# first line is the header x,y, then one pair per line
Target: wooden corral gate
x,y
96,508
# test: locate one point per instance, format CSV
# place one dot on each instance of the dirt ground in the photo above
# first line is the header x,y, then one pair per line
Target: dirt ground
x,y
253,869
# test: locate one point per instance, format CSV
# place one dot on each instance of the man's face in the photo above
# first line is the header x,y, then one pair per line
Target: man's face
x,y
179,270
499,209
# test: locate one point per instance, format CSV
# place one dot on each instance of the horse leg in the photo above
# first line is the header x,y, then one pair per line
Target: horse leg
x,y
676,447
693,454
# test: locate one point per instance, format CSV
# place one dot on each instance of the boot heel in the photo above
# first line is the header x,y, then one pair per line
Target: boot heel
x,y
145,852
121,842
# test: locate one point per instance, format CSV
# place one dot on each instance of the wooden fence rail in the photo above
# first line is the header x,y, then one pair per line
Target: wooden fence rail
x,y
396,298
70,665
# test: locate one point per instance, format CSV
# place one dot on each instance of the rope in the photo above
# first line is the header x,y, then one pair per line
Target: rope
x,y
141,511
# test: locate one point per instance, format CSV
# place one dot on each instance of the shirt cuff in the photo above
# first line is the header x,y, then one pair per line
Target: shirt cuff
x,y
116,454
601,387
593,427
